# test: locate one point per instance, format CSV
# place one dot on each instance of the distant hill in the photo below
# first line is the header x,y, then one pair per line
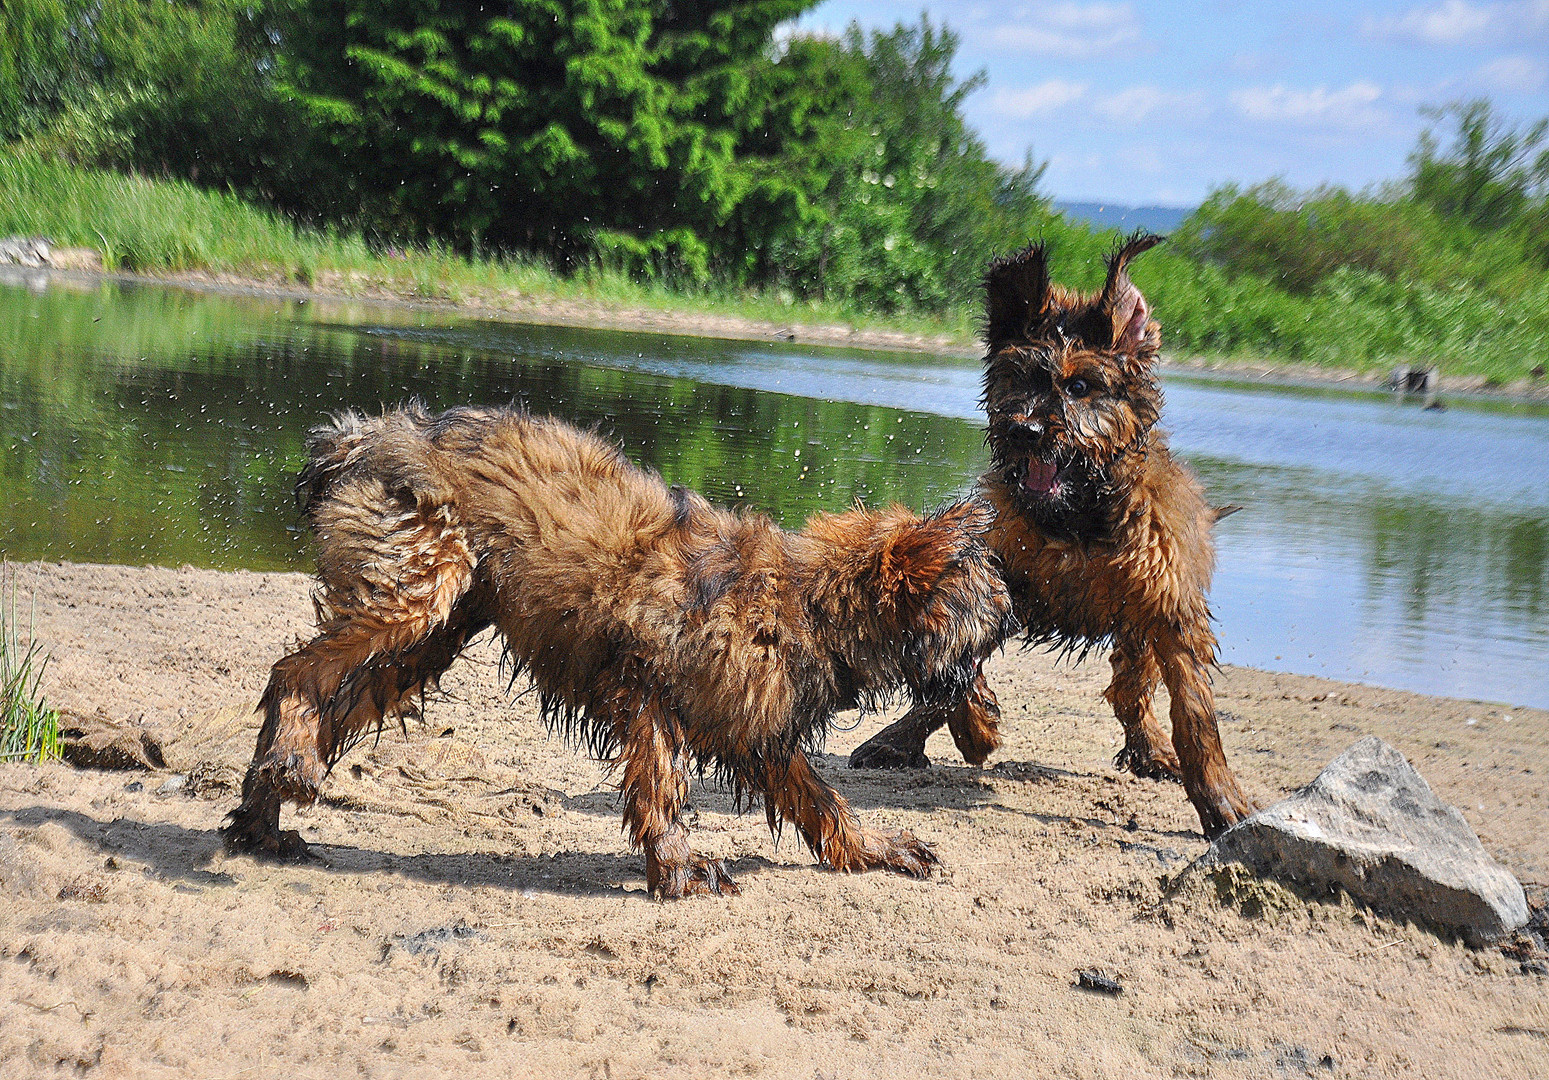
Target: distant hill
x,y
1160,219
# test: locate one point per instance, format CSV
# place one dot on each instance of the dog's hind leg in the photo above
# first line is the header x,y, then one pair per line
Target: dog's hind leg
x,y
655,787
320,700
1148,750
974,723
376,650
795,793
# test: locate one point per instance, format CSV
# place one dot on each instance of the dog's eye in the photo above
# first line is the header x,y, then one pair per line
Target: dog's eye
x,y
1078,388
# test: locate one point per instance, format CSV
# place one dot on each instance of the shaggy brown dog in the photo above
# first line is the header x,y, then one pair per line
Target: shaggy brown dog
x,y
1103,535
654,626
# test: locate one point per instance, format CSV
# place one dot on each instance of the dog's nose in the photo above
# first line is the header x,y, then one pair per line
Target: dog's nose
x,y
1026,425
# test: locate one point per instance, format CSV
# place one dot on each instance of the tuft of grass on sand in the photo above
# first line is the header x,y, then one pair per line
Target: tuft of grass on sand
x,y
29,729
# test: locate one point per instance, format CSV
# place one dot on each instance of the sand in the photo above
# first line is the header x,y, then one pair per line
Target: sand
x,y
476,911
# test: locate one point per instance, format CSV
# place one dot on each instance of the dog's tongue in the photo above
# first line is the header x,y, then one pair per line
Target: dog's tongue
x,y
1039,478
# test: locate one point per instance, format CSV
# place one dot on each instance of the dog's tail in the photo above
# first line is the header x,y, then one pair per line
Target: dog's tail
x,y
332,449
394,449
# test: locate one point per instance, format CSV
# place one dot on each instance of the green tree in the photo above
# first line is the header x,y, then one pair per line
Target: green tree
x,y
1492,174
534,124
874,187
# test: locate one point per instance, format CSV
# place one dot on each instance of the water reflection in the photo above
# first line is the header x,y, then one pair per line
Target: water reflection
x,y
148,425
157,435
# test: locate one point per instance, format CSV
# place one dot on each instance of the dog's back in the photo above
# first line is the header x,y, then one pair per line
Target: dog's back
x,y
564,537
533,482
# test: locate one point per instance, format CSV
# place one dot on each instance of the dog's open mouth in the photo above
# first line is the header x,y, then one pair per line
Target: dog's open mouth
x,y
1040,479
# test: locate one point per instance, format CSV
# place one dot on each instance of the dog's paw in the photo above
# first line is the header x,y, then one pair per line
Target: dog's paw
x,y
882,752
1149,764
904,853
701,877
273,845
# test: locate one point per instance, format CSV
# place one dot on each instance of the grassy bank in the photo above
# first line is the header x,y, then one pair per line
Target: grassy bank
x,y
1353,320
153,226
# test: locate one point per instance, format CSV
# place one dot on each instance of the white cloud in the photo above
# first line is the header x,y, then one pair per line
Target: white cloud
x,y
1515,74
1352,107
1453,22
1032,101
1459,23
1071,31
1136,104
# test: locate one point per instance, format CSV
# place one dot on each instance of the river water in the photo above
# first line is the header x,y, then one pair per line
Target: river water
x,y
1379,542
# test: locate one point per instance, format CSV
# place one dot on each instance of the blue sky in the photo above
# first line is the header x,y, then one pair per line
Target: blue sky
x,y
1156,103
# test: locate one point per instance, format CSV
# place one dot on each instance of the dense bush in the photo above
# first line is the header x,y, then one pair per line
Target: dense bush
x,y
176,87
1351,318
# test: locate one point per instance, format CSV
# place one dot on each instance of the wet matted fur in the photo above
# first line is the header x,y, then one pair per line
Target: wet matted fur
x,y
661,631
1105,537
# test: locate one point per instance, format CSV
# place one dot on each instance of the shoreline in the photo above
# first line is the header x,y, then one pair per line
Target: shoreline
x,y
601,315
1313,687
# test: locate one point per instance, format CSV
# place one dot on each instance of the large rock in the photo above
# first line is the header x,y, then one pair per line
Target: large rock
x,y
1370,825
25,251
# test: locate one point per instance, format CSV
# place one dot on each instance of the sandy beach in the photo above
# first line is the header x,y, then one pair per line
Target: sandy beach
x,y
476,909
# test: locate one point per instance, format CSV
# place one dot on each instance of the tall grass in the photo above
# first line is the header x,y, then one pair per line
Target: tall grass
x,y
143,224
29,729
149,225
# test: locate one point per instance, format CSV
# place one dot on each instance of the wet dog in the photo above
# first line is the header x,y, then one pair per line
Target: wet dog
x,y
659,630
1104,537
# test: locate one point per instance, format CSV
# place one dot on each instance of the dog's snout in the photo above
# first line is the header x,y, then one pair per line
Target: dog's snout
x,y
1026,426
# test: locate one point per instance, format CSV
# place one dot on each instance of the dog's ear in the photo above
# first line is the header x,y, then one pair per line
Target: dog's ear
x,y
1127,310
913,555
1016,293
969,518
916,551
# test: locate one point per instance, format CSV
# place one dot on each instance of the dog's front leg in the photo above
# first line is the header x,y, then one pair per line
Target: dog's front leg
x,y
797,794
974,723
287,764
901,745
321,698
1148,751
1207,778
655,787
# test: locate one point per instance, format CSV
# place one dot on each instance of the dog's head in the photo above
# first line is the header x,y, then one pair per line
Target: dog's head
x,y
1069,387
908,600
